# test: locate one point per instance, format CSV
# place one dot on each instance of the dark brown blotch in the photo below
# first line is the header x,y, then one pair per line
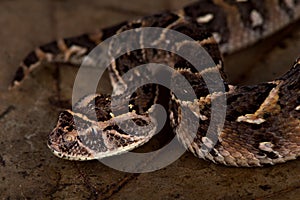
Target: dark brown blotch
x,y
30,59
19,74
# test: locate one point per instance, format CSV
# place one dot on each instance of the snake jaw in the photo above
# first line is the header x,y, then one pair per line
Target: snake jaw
x,y
82,148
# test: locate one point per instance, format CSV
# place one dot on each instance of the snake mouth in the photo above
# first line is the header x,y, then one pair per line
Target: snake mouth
x,y
55,150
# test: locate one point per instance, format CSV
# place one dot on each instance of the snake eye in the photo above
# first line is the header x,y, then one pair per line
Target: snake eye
x,y
69,138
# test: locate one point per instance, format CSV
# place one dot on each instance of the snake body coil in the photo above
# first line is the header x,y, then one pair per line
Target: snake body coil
x,y
262,123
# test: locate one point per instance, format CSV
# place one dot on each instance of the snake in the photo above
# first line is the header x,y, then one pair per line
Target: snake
x,y
262,121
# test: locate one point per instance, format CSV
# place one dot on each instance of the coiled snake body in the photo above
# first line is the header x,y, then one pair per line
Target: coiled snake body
x,y
262,123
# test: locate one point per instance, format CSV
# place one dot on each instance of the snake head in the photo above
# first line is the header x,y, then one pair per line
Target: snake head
x,y
64,140
80,137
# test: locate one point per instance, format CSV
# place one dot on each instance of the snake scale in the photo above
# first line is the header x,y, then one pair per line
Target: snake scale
x,y
262,123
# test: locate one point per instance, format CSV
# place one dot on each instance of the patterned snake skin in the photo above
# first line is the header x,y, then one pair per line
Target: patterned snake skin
x,y
262,122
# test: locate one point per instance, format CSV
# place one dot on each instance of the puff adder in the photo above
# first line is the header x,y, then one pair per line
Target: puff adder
x,y
262,124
